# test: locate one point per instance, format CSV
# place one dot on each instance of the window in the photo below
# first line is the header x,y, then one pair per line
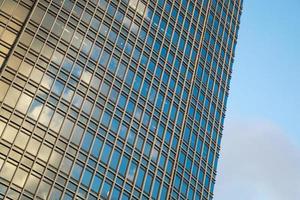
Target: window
x,y
115,194
156,187
148,183
137,83
67,129
96,184
32,184
66,165
76,172
113,65
131,171
115,159
23,103
33,146
106,119
86,76
44,189
21,140
77,134
35,109
129,77
12,97
97,147
104,59
67,34
44,152
130,107
140,178
115,125
58,88
123,166
86,179
106,153
131,137
86,144
7,171
77,70
105,190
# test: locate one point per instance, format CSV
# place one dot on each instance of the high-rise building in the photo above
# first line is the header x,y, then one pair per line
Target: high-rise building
x,y
113,99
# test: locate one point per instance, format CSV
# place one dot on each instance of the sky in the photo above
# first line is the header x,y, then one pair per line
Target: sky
x,y
260,150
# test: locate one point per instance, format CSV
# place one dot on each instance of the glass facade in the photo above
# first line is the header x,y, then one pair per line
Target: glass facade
x,y
113,99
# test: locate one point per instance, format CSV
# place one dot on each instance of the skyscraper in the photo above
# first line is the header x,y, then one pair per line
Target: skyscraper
x,y
113,99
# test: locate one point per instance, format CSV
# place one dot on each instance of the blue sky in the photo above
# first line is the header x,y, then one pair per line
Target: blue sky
x,y
263,111
266,77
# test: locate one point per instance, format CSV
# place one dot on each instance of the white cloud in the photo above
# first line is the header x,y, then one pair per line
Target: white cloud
x,y
258,162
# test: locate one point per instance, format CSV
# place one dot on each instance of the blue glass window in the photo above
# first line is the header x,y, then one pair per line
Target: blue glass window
x,y
148,183
145,89
115,159
115,194
155,190
58,88
137,83
211,157
195,170
174,12
113,65
115,125
104,58
193,140
156,19
175,38
86,179
199,145
67,65
130,107
177,182
132,171
152,95
167,106
123,131
128,48
86,144
122,101
131,137
105,190
163,194
173,112
96,184
139,144
159,101
147,149
168,137
140,178
207,182
205,151
123,166
201,176
106,119
106,153
97,147
129,77
169,31
181,158
95,52
186,135
157,45
162,161
183,188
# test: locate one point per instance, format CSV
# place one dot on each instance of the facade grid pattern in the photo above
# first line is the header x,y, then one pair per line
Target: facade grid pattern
x,y
113,99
